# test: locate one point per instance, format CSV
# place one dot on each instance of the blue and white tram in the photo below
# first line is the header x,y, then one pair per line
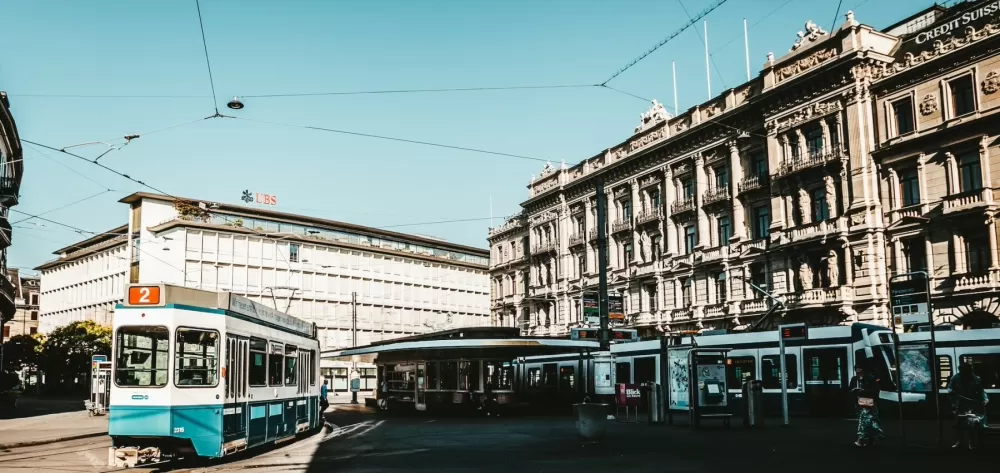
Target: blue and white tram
x,y
819,369
978,347
206,374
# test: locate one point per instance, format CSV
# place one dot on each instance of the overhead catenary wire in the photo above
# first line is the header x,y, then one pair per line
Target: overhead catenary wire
x,y
664,41
704,41
402,140
63,206
204,43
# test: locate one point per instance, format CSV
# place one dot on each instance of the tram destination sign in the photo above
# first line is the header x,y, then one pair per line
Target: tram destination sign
x,y
909,300
246,307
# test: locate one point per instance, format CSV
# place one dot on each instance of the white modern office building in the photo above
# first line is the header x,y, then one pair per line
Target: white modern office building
x,y
352,281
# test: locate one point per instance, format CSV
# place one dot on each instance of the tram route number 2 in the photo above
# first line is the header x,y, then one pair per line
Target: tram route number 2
x,y
144,295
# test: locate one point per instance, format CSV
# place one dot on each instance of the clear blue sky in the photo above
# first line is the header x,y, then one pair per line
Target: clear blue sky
x,y
104,47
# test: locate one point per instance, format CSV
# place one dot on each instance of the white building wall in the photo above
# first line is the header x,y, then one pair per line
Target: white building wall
x,y
84,289
396,295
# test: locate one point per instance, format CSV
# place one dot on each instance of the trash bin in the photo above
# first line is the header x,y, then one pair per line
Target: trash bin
x,y
653,401
753,394
591,420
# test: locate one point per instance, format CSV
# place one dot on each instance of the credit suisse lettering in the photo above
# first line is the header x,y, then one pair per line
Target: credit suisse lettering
x,y
984,11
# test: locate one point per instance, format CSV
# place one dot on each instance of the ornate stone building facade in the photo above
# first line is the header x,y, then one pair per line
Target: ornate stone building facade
x,y
788,182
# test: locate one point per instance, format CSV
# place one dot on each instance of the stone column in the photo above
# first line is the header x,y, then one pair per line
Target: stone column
x,y
897,252
951,171
801,140
895,200
922,177
700,181
848,267
775,152
991,227
984,162
669,197
736,173
959,251
831,196
929,252
636,200
826,135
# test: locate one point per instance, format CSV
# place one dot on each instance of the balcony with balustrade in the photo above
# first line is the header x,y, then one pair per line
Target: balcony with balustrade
x,y
809,160
908,212
753,182
715,311
620,226
576,239
968,282
824,229
962,202
712,255
817,297
543,248
681,207
716,195
648,216
753,306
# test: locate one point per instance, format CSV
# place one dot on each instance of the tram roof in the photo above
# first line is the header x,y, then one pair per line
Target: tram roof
x,y
469,342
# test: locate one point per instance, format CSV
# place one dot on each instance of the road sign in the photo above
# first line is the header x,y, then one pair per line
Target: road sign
x,y
616,308
909,298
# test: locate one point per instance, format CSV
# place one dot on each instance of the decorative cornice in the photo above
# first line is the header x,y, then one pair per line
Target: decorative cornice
x,y
809,112
938,48
804,64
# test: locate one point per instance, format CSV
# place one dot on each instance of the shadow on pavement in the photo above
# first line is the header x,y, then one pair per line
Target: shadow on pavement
x,y
31,406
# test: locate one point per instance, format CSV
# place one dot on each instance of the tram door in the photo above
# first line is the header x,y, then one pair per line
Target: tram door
x,y
235,412
420,401
826,381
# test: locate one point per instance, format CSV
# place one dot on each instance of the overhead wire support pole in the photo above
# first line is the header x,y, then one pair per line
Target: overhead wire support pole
x,y
602,265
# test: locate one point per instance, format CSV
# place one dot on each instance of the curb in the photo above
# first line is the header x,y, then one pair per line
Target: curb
x,y
32,443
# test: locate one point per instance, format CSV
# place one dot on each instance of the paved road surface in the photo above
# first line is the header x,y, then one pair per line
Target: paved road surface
x,y
366,442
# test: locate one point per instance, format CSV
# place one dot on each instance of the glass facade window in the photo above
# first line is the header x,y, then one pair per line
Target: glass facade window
x,y
902,111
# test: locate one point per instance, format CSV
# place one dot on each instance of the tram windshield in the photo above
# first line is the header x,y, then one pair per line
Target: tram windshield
x,y
142,356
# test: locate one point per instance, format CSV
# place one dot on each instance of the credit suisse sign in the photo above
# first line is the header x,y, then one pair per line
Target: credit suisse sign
x,y
975,16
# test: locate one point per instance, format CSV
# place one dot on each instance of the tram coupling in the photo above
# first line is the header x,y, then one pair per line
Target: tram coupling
x,y
130,457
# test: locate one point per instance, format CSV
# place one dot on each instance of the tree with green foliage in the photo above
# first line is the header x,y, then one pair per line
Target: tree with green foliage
x,y
66,353
21,351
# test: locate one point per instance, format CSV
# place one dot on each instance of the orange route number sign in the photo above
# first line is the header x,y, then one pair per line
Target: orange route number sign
x,y
144,295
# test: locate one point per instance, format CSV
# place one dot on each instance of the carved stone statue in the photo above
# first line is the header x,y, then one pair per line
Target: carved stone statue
x,y
654,115
805,274
646,246
832,270
798,42
804,209
831,195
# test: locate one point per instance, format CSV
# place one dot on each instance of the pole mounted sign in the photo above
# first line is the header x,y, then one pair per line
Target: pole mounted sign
x,y
909,297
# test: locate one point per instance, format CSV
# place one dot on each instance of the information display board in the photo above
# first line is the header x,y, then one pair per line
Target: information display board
x,y
909,299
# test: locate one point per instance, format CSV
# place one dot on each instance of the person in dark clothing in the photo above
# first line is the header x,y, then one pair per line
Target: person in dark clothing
x,y
865,389
488,398
968,401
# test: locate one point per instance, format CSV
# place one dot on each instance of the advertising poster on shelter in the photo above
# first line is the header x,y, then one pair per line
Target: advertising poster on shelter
x,y
915,366
678,372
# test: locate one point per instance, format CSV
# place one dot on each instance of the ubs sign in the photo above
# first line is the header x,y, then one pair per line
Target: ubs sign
x,y
976,15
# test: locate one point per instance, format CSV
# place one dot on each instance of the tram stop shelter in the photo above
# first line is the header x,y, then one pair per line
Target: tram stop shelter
x,y
451,368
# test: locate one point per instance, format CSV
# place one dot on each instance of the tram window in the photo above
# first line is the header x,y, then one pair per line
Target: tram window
x,y
549,375
534,377
291,360
740,369
196,357
472,375
500,375
645,369
449,375
986,366
143,355
944,370
771,371
258,362
275,363
312,368
432,375
567,378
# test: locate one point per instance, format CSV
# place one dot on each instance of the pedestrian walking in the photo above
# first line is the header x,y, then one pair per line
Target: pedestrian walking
x,y
865,389
968,401
323,393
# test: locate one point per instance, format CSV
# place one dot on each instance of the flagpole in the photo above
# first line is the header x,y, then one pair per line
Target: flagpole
x,y
708,71
673,65
746,47
491,211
